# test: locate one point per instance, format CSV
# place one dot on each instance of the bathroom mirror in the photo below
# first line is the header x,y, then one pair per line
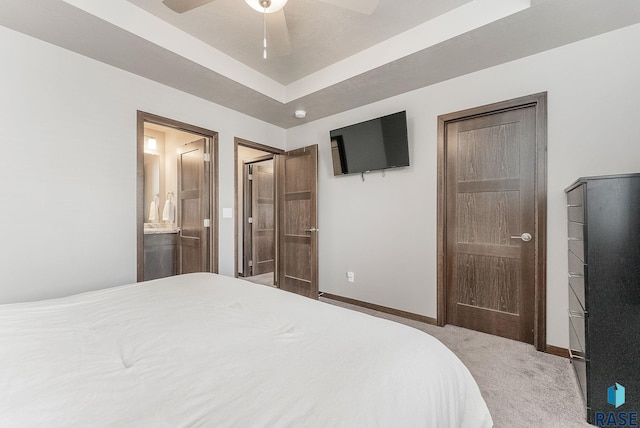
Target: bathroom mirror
x,y
152,188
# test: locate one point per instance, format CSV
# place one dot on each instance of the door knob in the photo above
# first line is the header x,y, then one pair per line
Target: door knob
x,y
313,229
526,237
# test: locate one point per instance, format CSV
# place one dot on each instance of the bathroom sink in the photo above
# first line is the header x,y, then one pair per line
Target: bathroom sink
x,y
155,225
159,228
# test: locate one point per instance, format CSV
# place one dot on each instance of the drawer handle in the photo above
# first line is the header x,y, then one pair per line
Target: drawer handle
x,y
576,314
575,275
576,357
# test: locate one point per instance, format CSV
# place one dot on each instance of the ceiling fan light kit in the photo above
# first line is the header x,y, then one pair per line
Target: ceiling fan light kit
x,y
279,37
266,6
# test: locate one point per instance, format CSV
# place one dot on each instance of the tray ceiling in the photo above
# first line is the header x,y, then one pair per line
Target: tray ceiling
x,y
340,59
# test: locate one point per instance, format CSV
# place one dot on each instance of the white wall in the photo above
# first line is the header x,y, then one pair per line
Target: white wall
x,y
385,228
68,167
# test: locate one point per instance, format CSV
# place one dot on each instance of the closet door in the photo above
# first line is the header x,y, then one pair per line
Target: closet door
x,y
491,225
298,221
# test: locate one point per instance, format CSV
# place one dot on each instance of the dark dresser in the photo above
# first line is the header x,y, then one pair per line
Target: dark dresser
x,y
604,289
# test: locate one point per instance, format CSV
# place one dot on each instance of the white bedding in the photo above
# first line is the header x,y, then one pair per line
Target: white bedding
x,y
212,351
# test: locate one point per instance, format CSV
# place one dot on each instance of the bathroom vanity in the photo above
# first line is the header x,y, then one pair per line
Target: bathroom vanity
x,y
160,252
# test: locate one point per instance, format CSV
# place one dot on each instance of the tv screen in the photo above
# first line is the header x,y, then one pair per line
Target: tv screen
x,y
372,145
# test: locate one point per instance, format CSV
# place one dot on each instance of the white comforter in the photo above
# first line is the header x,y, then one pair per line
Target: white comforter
x,y
211,351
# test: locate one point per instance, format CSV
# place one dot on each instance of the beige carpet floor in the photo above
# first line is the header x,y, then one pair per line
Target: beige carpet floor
x,y
521,386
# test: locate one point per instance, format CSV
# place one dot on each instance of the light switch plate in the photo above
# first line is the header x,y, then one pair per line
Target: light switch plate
x,y
227,213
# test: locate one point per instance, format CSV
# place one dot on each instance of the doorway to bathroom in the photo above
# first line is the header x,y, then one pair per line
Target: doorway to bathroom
x,y
177,176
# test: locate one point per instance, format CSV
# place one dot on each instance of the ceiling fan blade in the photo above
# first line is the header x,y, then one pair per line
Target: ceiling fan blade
x,y
278,43
361,6
182,6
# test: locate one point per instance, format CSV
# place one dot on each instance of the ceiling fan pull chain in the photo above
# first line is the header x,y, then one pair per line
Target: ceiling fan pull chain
x,y
264,30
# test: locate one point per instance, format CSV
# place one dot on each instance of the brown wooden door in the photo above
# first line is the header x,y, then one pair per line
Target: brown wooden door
x,y
298,226
263,213
193,207
490,197
247,232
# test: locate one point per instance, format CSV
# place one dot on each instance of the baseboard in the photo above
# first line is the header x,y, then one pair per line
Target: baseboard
x,y
386,310
550,349
555,350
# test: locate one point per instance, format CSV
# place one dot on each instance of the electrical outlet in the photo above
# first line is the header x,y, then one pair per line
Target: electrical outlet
x,y
351,277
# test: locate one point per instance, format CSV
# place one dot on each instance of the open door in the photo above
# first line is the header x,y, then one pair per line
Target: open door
x,y
298,224
259,212
194,218
263,211
247,221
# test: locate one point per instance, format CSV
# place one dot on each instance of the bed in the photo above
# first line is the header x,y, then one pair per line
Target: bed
x,y
205,350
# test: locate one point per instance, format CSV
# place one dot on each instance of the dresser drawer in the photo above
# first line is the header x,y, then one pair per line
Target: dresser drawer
x,y
576,246
576,196
576,230
580,367
575,204
577,322
576,303
576,284
576,213
576,266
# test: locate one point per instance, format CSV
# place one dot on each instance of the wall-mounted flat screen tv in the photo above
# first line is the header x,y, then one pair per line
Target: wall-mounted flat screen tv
x,y
372,145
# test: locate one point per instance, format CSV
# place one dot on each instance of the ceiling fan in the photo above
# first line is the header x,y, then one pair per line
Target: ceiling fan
x,y
277,31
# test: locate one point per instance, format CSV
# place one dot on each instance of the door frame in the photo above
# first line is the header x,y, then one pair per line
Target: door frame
x,y
212,142
539,102
273,151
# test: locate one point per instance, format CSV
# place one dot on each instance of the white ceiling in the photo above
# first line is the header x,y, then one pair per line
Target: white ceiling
x,y
340,59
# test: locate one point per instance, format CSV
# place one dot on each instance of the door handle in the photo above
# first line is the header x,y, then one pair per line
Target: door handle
x,y
526,237
575,314
313,229
573,356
